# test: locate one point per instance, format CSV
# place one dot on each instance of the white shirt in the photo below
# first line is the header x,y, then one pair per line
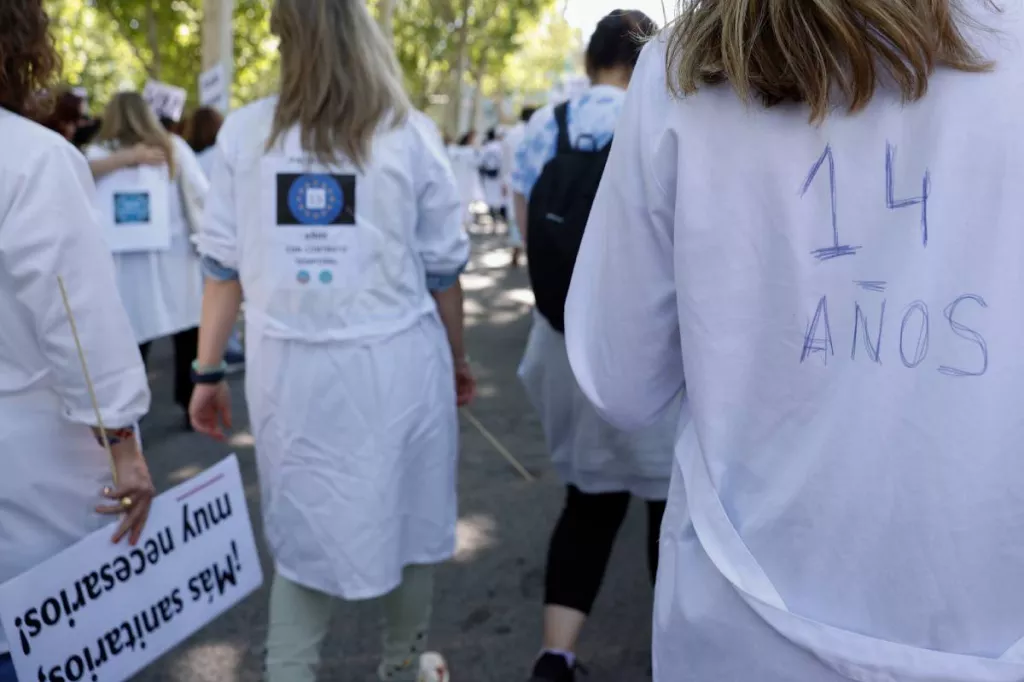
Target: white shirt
x,y
53,471
162,290
852,477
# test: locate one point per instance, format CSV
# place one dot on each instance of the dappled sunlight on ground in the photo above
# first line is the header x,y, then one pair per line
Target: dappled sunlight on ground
x,y
473,534
242,439
184,473
212,662
522,296
474,281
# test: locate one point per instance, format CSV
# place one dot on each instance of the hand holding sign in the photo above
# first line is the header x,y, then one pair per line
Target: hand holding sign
x,y
196,559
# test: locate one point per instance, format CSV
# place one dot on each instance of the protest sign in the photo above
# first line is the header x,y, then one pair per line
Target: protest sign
x,y
102,612
213,88
167,101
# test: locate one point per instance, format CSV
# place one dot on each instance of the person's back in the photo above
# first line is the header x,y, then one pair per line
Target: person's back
x,y
844,300
334,210
363,275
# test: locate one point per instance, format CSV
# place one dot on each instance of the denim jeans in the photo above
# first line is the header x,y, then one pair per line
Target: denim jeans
x,y
7,669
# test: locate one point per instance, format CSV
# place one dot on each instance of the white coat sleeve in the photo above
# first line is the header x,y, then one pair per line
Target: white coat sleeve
x,y
52,229
218,233
622,329
442,243
191,170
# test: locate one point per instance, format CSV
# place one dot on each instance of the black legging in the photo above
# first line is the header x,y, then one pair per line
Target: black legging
x,y
186,347
582,545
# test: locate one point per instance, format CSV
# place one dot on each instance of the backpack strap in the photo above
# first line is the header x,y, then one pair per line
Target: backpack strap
x,y
562,119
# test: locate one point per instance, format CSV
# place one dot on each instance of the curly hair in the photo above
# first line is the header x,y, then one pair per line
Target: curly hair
x,y
28,58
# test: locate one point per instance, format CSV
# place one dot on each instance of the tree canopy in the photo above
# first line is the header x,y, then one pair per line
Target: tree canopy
x,y
504,50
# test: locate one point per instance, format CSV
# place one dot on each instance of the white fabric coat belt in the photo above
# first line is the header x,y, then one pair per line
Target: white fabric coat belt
x,y
855,656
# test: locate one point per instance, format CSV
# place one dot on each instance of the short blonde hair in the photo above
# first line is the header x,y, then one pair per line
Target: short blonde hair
x,y
821,52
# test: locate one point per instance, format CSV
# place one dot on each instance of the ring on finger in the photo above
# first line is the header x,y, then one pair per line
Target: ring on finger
x,y
126,502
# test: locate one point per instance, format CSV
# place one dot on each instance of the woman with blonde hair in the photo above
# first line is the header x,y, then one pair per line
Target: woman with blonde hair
x,y
150,194
335,210
810,214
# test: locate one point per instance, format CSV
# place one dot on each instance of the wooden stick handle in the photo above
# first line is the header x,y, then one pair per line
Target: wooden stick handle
x,y
88,378
502,450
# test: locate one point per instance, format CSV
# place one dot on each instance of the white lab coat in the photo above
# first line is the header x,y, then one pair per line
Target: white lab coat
x,y
465,162
162,290
847,503
53,470
491,158
349,374
509,146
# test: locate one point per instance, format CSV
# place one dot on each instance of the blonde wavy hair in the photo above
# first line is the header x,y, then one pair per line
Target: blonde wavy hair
x,y
826,53
128,121
340,80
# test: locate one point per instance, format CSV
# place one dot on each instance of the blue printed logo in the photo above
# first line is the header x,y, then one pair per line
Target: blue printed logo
x,y
302,277
313,199
326,277
131,208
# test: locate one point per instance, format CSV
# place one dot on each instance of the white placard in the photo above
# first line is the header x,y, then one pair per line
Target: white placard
x,y
101,612
168,101
135,209
213,88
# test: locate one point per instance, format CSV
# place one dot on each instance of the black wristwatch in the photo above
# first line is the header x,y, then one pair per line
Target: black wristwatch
x,y
208,375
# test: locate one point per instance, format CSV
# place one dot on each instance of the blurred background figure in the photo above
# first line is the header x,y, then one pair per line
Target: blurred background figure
x,y
161,287
491,174
509,147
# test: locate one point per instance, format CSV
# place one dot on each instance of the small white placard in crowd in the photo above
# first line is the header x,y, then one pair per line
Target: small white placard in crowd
x,y
103,612
213,88
168,101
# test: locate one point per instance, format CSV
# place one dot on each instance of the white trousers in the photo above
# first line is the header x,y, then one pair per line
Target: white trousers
x,y
299,618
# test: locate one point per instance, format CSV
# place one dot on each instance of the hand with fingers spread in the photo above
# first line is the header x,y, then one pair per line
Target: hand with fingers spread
x,y
210,409
134,494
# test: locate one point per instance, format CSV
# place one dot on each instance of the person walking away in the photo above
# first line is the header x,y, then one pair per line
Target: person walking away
x,y
203,127
335,210
490,176
813,222
559,166
150,213
509,146
57,487
466,165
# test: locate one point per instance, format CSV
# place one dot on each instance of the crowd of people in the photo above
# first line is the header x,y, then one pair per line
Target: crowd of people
x,y
735,197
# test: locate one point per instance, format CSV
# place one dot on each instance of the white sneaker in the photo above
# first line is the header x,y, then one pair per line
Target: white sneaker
x,y
433,668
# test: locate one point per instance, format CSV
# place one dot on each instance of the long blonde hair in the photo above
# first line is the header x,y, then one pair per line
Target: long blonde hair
x,y
339,78
822,52
128,121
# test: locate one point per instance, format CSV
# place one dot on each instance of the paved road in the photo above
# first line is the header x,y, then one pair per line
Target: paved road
x,y
488,599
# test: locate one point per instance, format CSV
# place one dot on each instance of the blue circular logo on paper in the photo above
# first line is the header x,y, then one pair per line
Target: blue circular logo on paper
x,y
303,277
316,199
326,277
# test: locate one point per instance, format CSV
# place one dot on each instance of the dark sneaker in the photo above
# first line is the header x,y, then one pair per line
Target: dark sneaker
x,y
553,668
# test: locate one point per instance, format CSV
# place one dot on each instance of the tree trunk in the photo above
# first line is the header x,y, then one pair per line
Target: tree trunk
x,y
153,39
455,102
386,17
478,95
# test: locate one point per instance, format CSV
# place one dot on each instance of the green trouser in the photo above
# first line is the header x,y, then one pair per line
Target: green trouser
x,y
299,618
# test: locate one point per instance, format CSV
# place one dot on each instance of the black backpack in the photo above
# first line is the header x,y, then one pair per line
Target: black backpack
x,y
560,205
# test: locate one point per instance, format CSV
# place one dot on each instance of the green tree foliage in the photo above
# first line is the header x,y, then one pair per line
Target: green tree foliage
x,y
500,47
109,45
